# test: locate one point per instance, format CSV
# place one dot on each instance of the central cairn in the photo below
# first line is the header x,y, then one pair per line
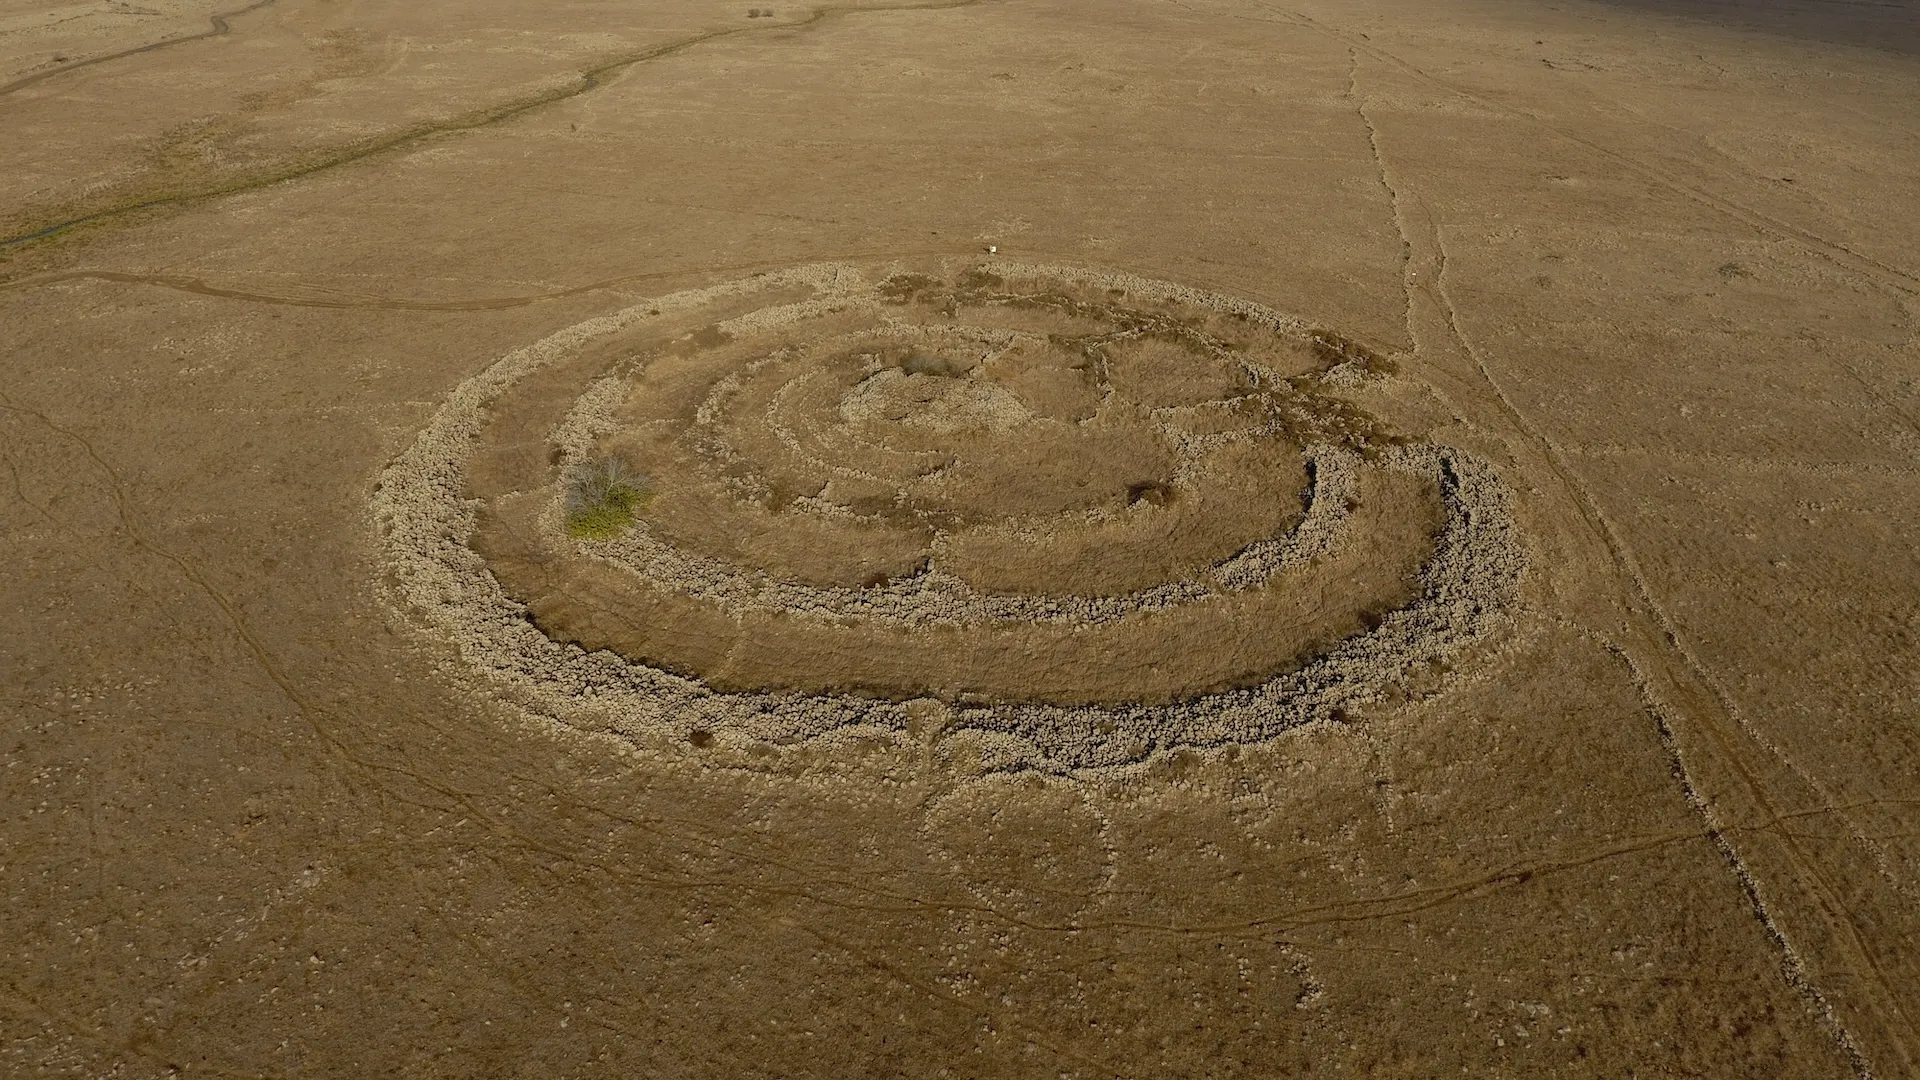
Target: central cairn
x,y
1081,515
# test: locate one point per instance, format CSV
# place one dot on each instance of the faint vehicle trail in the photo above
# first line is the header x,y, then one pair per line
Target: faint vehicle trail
x,y
1709,706
1001,1017
220,28
265,658
1793,966
1901,284
591,79
1884,274
1828,893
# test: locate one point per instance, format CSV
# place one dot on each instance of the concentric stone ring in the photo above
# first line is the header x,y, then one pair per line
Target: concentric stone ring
x,y
1082,515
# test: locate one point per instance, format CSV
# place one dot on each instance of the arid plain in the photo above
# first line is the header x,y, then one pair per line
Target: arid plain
x,y
1196,538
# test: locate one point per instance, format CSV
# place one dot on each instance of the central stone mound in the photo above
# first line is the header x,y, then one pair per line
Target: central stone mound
x,y
1076,507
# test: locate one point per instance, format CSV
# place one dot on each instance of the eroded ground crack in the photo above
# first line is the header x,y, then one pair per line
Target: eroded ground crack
x,y
591,79
220,27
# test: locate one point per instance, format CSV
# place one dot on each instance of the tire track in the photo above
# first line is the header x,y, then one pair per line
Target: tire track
x,y
1882,274
268,662
1710,716
1707,704
1793,964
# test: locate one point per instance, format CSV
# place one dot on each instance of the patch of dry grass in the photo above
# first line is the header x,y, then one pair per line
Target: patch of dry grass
x,y
603,498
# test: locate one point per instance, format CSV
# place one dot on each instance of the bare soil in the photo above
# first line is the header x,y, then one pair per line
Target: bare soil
x,y
991,686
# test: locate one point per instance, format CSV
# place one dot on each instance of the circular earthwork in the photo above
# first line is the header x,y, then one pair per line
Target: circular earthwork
x,y
1080,515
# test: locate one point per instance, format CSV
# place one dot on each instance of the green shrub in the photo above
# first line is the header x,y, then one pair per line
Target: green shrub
x,y
603,497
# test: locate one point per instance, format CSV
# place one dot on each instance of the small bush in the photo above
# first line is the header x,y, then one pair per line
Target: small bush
x,y
603,497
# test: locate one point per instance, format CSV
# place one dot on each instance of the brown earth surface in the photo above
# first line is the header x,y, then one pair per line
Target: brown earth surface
x,y
1653,813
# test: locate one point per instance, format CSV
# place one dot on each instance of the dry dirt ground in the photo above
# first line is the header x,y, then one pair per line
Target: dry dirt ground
x,y
1583,745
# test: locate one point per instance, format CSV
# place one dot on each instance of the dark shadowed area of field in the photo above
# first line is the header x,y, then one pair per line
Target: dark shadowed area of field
x,y
1891,25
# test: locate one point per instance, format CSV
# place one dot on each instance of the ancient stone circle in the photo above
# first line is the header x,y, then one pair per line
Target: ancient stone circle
x,y
1080,517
